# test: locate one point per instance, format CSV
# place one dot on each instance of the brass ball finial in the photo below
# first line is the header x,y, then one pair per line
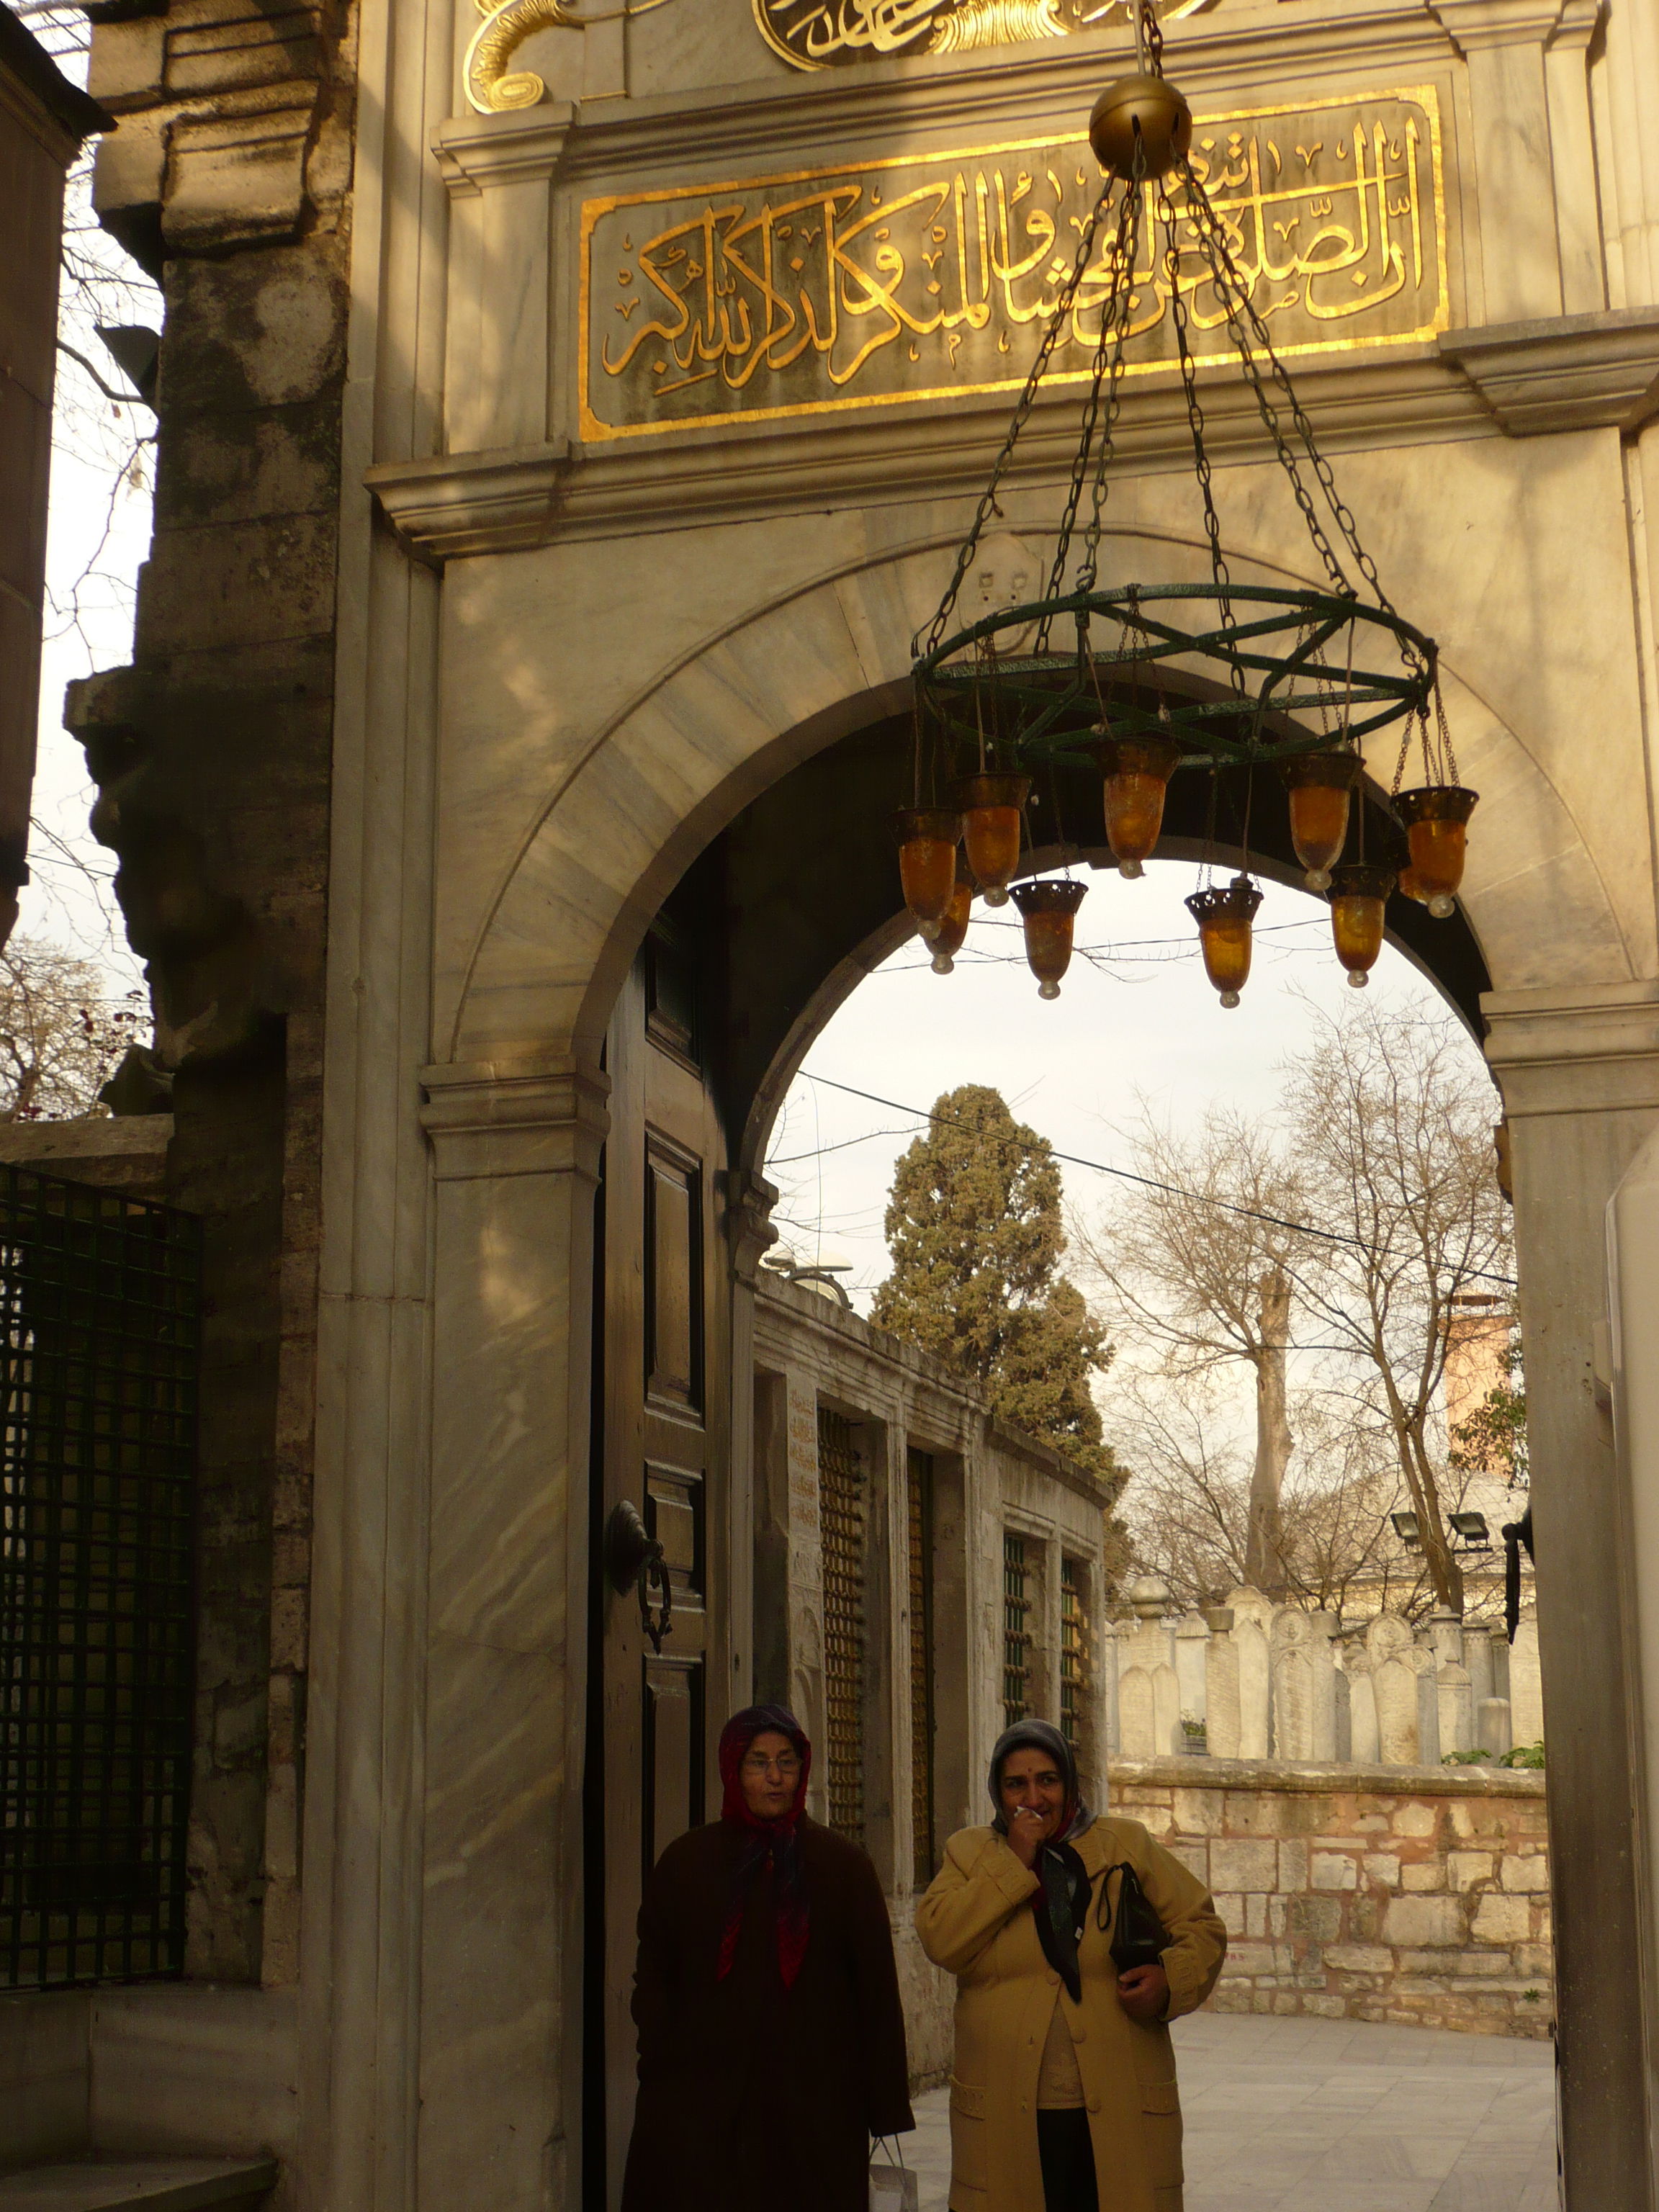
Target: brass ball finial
x,y
1141,126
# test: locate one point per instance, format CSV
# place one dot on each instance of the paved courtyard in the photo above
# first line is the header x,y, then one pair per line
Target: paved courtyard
x,y
1335,2115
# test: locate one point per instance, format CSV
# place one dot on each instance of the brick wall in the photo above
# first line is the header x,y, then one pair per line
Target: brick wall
x,y
1412,1895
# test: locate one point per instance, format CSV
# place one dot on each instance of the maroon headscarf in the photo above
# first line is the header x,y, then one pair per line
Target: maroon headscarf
x,y
773,1842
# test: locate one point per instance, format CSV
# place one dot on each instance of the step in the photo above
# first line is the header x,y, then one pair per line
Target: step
x,y
138,2185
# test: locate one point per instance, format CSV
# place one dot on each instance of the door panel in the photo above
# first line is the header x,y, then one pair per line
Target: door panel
x,y
663,1447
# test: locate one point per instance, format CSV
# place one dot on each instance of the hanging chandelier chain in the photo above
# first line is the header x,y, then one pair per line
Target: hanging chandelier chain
x,y
1218,568
1118,312
987,504
1152,33
1230,291
1245,324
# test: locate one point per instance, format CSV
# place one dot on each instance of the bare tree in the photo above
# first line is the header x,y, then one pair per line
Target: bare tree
x,y
1390,1125
1195,1263
61,1037
1371,1194
1187,1506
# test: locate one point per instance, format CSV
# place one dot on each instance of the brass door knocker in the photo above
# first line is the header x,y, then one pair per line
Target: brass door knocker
x,y
633,1559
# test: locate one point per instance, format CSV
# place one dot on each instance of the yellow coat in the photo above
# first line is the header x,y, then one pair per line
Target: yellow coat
x,y
975,1923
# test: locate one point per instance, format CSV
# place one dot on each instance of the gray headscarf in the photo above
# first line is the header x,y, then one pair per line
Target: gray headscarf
x,y
1041,1735
1061,1905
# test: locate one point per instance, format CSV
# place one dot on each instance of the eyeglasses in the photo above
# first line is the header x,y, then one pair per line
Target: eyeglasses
x,y
757,1763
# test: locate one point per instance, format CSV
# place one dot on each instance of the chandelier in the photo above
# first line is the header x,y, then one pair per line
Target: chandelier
x,y
1146,681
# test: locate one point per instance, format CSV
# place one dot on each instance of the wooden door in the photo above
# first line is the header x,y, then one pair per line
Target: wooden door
x,y
664,1385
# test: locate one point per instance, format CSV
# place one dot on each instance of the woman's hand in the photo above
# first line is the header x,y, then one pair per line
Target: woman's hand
x,y
1025,1832
1144,1993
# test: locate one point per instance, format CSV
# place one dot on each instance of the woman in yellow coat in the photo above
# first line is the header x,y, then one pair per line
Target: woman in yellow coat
x,y
1063,2066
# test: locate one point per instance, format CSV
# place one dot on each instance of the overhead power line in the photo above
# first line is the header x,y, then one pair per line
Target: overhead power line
x,y
1128,1174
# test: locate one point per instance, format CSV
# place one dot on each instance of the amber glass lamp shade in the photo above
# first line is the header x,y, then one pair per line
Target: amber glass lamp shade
x,y
1049,912
927,838
1410,885
947,938
1359,898
992,808
1436,829
1320,787
1138,772
1224,915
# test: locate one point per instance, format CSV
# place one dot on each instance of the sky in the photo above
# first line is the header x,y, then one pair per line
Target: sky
x,y
1136,1030
98,532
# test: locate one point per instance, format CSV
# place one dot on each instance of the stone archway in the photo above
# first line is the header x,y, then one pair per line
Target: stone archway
x,y
574,847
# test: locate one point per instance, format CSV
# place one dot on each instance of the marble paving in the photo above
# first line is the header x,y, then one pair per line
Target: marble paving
x,y
1338,2116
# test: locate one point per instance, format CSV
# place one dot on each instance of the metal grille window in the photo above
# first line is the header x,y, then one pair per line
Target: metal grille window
x,y
1016,1630
99,1323
841,1511
920,1502
1071,1652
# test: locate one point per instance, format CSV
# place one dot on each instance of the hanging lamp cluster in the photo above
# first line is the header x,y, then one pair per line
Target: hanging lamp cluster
x,y
1143,682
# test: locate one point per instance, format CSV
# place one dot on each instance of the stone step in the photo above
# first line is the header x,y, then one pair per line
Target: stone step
x,y
138,2185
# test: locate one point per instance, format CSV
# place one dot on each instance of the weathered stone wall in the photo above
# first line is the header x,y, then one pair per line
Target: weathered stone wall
x,y
229,176
1365,1893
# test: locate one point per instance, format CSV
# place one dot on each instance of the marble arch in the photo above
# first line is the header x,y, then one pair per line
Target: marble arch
x,y
780,680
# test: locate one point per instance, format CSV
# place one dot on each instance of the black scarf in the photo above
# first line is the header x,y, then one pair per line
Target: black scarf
x,y
1061,1904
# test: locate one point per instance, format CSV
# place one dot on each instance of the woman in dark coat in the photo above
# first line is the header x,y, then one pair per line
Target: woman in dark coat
x,y
766,1996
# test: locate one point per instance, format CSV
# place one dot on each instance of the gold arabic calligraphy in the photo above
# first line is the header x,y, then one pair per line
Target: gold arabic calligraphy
x,y
851,287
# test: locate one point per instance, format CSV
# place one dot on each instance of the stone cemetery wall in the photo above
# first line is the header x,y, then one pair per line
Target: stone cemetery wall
x,y
1254,1679
1365,1893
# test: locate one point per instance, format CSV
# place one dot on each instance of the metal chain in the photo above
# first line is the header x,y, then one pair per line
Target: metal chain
x,y
1244,323
1107,376
1152,30
1448,754
1218,568
921,647
1229,291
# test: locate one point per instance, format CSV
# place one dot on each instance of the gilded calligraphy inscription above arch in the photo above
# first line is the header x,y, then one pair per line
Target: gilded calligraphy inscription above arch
x,y
813,34
926,276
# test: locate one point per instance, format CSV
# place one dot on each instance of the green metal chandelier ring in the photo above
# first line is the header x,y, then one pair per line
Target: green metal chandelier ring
x,y
1035,704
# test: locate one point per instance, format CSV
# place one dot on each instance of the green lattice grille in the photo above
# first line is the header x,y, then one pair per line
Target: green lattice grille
x,y
1071,1652
841,1511
99,1322
1016,1630
920,1511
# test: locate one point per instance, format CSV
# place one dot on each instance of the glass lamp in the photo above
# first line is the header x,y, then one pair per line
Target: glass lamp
x,y
1138,772
1224,915
1320,787
948,934
927,838
1359,897
991,809
1437,828
1049,912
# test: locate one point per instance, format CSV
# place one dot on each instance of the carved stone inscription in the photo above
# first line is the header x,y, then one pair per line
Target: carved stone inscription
x,y
917,277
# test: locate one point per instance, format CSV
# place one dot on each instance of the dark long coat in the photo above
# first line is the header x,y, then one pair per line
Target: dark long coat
x,y
753,2097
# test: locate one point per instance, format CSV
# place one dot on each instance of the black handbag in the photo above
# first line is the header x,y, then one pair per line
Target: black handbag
x,y
1138,1936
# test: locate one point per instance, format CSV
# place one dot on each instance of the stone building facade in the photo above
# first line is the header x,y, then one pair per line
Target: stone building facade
x,y
923,1575
497,789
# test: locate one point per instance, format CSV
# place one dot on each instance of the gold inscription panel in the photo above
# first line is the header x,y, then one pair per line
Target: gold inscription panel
x,y
920,276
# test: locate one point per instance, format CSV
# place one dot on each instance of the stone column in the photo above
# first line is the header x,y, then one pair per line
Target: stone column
x,y
1503,42
1191,1645
1394,1685
1477,1657
516,1163
1363,1744
1420,1659
499,169
1579,1071
1454,1699
1492,1726
1221,1685
1526,1682
1252,1613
